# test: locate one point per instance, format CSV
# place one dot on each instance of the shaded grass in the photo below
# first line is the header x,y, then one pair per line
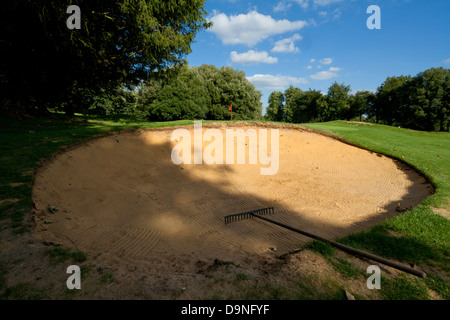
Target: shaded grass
x,y
340,265
423,238
439,285
345,268
3,273
303,290
20,291
402,288
60,255
24,291
323,248
106,277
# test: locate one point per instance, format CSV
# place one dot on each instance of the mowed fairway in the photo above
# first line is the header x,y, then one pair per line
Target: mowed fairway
x,y
126,198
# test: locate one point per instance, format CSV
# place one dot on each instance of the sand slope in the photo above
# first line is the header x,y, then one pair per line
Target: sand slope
x,y
121,197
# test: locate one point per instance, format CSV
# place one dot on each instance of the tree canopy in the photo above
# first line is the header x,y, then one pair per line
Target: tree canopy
x,y
119,43
204,92
421,102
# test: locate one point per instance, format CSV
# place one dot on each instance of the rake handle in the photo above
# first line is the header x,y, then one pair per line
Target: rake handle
x,y
348,249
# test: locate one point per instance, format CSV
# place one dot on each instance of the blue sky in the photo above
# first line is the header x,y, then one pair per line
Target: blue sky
x,y
313,43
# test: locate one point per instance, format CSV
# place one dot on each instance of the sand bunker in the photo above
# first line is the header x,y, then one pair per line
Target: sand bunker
x,y
122,196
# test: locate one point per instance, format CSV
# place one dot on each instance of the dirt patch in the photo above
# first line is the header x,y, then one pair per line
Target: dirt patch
x,y
360,122
122,200
442,211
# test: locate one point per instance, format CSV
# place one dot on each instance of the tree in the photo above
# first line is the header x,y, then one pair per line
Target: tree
x,y
45,64
338,102
360,103
421,102
392,100
275,110
290,95
119,101
184,97
204,92
307,106
227,86
430,103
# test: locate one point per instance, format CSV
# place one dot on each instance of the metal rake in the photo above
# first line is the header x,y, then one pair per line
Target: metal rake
x,y
249,214
260,212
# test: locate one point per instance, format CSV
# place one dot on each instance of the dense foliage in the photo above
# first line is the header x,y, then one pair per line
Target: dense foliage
x,y
46,64
421,102
204,92
296,105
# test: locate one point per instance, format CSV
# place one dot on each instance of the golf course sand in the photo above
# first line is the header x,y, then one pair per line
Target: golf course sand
x,y
121,198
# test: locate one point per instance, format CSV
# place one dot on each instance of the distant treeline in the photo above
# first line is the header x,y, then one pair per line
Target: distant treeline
x,y
421,102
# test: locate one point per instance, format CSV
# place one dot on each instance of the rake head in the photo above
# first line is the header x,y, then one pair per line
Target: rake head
x,y
248,215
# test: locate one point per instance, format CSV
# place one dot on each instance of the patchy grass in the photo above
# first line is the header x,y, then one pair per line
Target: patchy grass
x,y
241,277
439,285
24,291
60,255
402,288
345,268
106,277
340,264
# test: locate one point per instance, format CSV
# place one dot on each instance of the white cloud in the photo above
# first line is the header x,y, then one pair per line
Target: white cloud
x,y
282,6
446,61
325,2
323,13
316,3
324,75
252,57
309,67
326,61
287,45
336,13
312,60
271,82
250,28
302,3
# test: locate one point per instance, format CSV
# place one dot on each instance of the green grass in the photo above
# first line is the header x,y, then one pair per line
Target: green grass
x,y
402,288
325,249
345,268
